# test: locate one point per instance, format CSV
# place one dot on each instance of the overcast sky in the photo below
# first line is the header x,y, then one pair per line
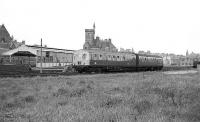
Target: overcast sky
x,y
169,26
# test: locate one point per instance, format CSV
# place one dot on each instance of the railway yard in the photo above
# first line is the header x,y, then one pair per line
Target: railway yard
x,y
114,97
141,63
96,84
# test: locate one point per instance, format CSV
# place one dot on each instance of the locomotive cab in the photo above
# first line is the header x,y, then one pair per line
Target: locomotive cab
x,y
81,57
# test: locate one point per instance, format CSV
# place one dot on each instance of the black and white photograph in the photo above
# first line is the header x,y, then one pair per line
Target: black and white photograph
x,y
100,61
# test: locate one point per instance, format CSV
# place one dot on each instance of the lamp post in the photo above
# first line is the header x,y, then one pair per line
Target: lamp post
x,y
41,57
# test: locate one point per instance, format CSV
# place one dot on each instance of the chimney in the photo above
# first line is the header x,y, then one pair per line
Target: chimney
x,y
109,40
23,42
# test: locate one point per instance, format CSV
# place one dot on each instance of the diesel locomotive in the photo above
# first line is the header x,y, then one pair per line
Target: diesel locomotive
x,y
103,61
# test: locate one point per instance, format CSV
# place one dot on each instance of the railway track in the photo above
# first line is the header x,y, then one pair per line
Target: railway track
x,y
56,73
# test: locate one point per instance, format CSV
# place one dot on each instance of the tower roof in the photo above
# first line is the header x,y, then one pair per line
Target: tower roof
x,y
94,26
3,28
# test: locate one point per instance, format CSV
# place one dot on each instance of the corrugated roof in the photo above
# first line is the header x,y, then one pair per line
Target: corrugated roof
x,y
47,48
2,50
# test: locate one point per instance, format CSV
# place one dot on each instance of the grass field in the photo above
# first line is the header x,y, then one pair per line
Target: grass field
x,y
121,97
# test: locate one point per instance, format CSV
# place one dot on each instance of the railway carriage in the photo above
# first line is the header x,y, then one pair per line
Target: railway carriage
x,y
102,61
149,62
98,61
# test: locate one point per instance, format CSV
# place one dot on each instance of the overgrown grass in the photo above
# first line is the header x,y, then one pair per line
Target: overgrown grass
x,y
123,97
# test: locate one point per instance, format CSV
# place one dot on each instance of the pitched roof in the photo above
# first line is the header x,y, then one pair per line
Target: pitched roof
x,y
2,50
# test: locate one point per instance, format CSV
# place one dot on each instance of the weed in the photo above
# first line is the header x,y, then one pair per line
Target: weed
x,y
70,83
89,98
29,99
82,82
78,92
61,92
63,103
3,97
109,102
141,107
16,103
166,93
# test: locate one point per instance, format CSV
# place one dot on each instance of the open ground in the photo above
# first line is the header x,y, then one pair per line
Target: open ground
x,y
120,97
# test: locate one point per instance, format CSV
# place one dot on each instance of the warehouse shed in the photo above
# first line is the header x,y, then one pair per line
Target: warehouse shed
x,y
27,54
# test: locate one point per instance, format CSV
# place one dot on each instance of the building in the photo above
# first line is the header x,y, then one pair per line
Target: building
x,y
177,60
167,60
26,54
6,41
92,42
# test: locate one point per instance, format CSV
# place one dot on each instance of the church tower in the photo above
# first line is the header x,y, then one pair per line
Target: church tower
x,y
89,37
187,53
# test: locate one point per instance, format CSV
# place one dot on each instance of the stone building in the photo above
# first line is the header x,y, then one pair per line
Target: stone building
x,y
92,42
6,41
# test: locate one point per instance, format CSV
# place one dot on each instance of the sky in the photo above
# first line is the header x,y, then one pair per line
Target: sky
x,y
161,26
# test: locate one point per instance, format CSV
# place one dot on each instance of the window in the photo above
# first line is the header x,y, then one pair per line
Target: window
x,y
109,57
114,58
95,55
47,54
124,58
51,58
3,40
84,56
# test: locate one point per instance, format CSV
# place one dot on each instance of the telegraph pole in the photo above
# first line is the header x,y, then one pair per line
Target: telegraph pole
x,y
41,57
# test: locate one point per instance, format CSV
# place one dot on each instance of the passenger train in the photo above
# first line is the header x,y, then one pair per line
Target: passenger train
x,y
103,61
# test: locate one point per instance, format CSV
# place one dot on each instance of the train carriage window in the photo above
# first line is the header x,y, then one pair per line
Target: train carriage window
x,y
84,56
100,57
133,57
91,58
118,59
109,57
143,59
96,57
114,58
124,58
105,57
